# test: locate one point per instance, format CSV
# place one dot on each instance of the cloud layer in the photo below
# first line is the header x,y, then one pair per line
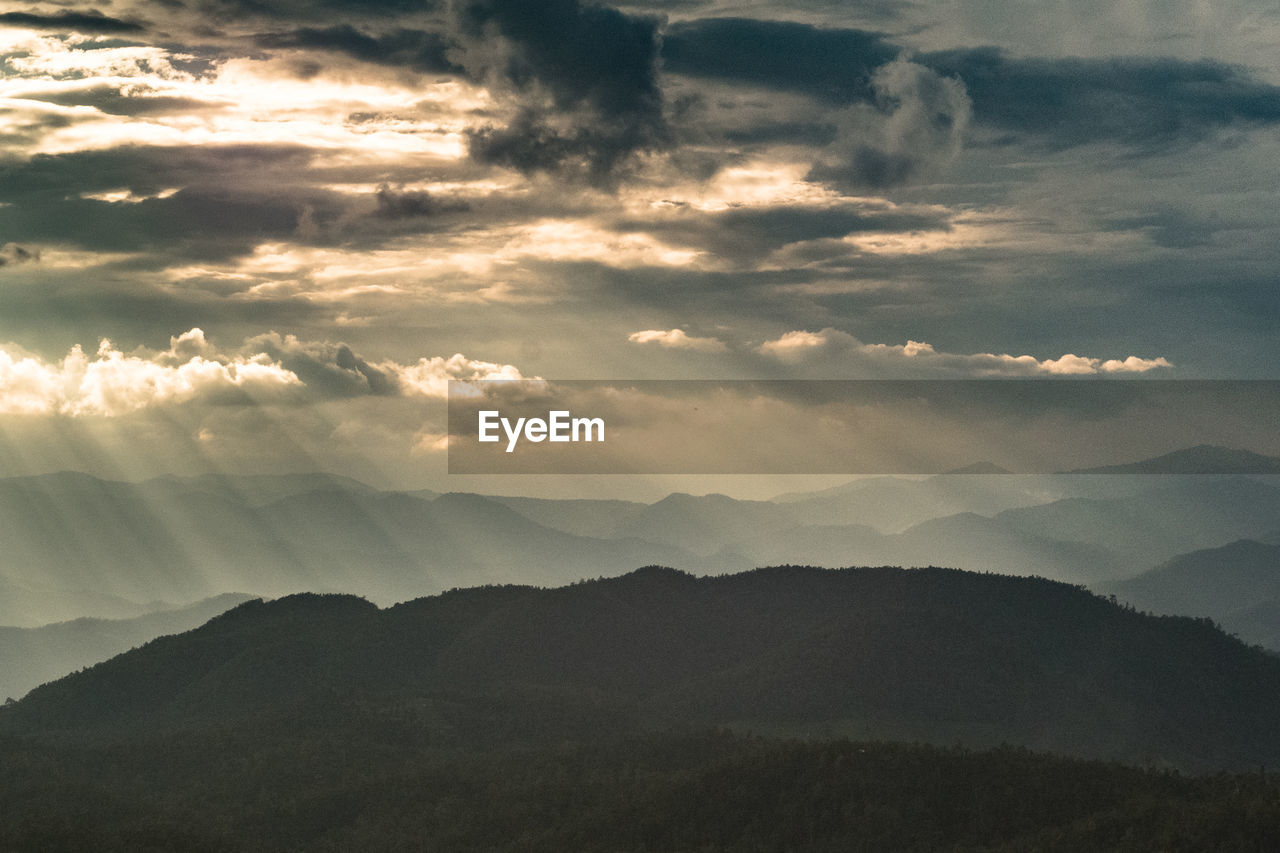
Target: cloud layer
x,y
343,194
268,370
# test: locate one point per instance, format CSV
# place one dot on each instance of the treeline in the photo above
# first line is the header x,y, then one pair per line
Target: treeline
x,y
284,788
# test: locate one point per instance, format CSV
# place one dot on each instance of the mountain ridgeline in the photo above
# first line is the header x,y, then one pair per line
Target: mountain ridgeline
x,y
923,655
80,546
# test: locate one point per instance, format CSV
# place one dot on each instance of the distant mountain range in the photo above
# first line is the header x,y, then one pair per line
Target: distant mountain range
x,y
1238,585
934,655
77,546
1201,459
31,656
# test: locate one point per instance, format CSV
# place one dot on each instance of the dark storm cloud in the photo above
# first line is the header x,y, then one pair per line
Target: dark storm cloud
x,y
419,50
329,370
749,233
1170,228
112,101
1137,101
597,67
784,133
396,204
28,129
192,223
90,21
117,303
228,199
311,10
834,65
532,144
146,170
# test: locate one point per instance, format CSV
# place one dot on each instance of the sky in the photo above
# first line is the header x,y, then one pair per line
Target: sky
x,y
262,236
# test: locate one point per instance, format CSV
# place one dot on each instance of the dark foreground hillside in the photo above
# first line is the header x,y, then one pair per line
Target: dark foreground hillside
x,y
929,654
381,786
599,717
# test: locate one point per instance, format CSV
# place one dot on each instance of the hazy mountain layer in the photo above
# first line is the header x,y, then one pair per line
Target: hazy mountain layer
x,y
32,656
1238,585
79,546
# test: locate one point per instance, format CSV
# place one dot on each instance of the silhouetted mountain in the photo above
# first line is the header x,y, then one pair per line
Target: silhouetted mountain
x,y
33,656
928,654
1201,459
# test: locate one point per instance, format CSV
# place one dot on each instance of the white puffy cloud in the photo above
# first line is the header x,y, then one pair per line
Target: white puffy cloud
x,y
430,376
676,339
832,347
792,345
267,369
112,383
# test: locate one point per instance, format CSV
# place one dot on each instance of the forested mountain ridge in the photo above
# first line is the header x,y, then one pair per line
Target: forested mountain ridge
x,y
927,654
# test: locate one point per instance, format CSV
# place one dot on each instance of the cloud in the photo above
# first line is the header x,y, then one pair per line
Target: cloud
x,y
112,99
111,383
1132,100
430,376
790,346
400,204
419,50
333,370
12,253
148,169
747,232
837,349
584,79
916,128
89,21
676,339
1062,101
267,369
833,65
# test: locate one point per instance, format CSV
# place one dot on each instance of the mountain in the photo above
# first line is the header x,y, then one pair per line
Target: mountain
x,y
580,517
700,524
33,656
255,489
1208,582
1201,459
934,655
1258,623
892,504
1093,540
1237,585
75,545
966,541
982,467
383,782
1174,516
